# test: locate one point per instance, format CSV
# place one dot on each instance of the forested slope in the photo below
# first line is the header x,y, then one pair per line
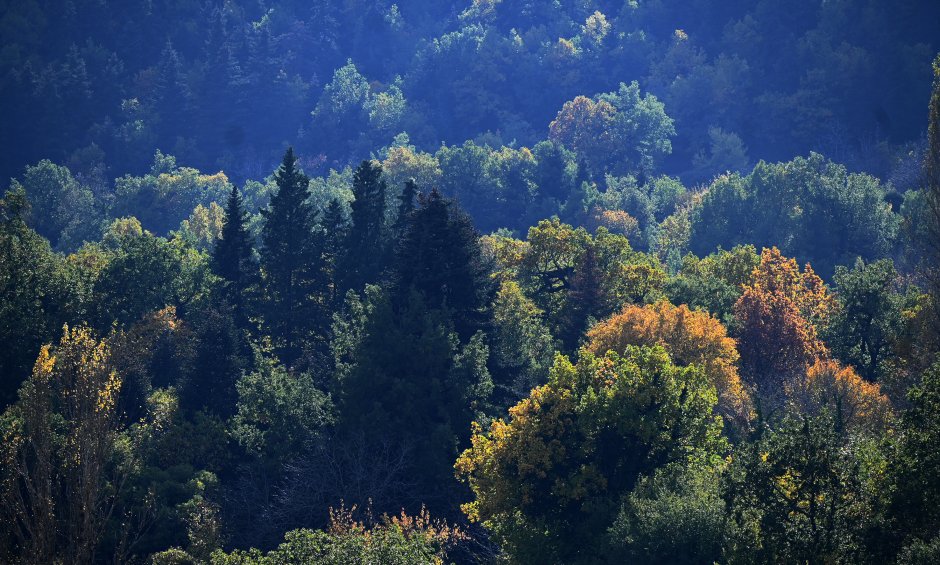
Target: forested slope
x,y
473,282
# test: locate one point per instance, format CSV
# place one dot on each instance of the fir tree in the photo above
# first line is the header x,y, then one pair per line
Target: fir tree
x,y
406,205
294,275
440,258
233,259
366,244
335,228
585,299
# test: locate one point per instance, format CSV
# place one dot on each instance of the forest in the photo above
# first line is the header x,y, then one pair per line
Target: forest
x,y
401,282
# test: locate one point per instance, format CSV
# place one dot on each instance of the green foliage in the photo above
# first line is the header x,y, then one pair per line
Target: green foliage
x,y
35,287
714,282
675,516
366,246
294,276
870,319
799,494
62,210
278,413
414,388
233,260
549,482
812,208
916,492
166,195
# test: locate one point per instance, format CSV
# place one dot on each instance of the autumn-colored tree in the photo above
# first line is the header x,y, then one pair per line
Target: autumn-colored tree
x,y
585,126
777,338
778,274
548,482
690,337
59,484
856,405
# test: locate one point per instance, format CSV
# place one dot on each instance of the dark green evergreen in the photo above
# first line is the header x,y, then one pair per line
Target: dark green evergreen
x,y
367,246
233,260
440,258
294,277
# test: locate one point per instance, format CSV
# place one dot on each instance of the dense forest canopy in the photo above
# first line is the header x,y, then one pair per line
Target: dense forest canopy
x,y
476,281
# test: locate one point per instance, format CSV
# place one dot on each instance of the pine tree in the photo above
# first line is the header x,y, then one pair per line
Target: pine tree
x,y
233,260
366,244
335,228
294,276
406,205
216,365
440,258
932,172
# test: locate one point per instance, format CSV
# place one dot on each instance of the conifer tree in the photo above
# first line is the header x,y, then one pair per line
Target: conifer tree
x,y
440,258
366,244
932,172
406,205
294,277
585,300
335,229
233,259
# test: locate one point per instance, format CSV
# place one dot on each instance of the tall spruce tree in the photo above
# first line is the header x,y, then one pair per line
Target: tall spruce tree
x,y
367,244
233,260
440,258
932,174
406,205
296,286
335,229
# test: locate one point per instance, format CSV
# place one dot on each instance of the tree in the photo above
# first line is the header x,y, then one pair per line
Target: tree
x,y
367,244
233,260
548,483
522,346
798,495
336,229
293,273
143,274
60,478
690,338
618,131
869,319
932,173
414,387
406,205
914,460
34,290
856,406
777,317
440,258
218,362
62,210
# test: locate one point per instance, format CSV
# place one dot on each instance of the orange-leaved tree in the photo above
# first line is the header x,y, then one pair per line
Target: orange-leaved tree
x,y
777,317
690,337
856,405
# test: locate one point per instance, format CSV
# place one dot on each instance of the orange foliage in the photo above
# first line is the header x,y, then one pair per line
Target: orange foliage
x,y
779,274
616,221
690,337
777,316
857,404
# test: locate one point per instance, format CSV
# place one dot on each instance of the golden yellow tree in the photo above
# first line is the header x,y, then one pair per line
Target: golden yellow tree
x,y
690,337
857,405
58,446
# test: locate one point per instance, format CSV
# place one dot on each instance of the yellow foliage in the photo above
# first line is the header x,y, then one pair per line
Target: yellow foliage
x,y
690,337
827,385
